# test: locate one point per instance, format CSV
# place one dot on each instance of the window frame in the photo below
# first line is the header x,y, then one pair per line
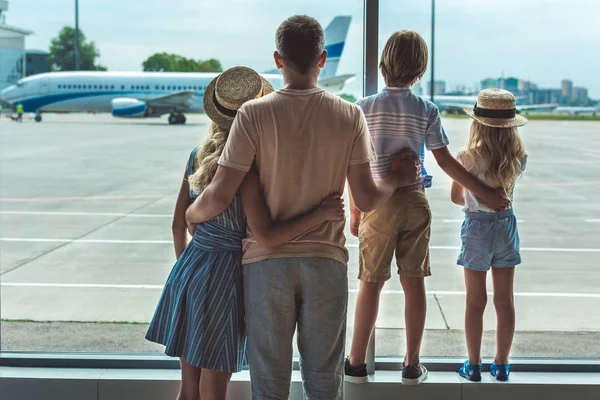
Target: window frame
x,y
161,361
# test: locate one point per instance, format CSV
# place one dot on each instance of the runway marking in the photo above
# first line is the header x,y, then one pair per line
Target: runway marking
x,y
159,287
80,198
86,214
349,245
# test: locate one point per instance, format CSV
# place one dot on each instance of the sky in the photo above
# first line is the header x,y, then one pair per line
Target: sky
x,y
543,41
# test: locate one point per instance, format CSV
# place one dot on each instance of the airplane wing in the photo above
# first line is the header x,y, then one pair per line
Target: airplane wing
x,y
335,84
529,107
177,101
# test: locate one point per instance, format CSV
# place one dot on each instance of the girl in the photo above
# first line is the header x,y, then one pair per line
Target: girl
x,y
496,155
200,317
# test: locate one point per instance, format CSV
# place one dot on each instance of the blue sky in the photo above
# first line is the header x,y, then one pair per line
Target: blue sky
x,y
540,40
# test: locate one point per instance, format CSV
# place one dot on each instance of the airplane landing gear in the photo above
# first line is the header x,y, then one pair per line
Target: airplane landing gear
x,y
177,119
38,117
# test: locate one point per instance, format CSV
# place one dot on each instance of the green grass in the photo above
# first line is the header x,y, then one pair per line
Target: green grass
x,y
542,117
29,321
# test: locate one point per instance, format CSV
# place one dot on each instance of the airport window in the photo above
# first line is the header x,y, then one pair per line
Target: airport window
x,y
83,231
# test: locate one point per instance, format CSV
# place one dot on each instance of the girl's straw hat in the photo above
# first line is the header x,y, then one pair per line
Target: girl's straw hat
x,y
227,92
496,108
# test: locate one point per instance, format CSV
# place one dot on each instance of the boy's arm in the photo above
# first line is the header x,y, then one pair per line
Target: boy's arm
x,y
495,198
271,234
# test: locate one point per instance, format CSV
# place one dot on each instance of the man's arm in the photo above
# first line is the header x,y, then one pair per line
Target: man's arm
x,y
216,197
368,195
494,198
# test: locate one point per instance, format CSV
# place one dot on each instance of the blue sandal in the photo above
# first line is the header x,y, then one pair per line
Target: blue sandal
x,y
500,371
470,371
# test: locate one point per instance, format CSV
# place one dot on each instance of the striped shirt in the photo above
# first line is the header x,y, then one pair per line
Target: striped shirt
x,y
397,118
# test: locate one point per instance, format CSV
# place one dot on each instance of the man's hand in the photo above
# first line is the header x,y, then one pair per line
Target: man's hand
x,y
191,226
497,199
407,167
355,217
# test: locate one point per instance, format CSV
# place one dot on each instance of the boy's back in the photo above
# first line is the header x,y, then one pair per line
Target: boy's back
x,y
397,119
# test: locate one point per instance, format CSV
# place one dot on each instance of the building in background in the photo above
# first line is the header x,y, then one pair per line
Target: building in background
x,y
36,62
12,50
580,96
417,89
439,87
566,87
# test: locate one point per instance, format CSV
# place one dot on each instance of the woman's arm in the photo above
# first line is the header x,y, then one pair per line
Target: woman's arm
x,y
179,225
271,234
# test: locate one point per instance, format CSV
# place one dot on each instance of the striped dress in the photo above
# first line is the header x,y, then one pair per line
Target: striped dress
x,y
200,315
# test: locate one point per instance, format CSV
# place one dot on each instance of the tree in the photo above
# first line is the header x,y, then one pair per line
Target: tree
x,y
62,58
175,63
348,97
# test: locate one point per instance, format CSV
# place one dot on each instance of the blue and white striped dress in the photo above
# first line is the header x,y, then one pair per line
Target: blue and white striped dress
x,y
200,316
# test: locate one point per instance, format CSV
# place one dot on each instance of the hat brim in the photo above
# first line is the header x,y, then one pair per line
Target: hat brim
x,y
211,111
516,121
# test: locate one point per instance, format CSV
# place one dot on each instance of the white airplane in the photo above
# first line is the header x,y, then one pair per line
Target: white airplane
x,y
578,110
148,94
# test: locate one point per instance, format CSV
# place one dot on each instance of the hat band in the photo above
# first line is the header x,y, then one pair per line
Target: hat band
x,y
489,113
224,110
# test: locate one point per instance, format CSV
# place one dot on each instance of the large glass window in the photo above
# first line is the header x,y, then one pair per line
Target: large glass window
x,y
531,50
87,200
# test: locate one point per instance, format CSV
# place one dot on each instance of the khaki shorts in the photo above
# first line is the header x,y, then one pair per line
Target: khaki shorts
x,y
402,225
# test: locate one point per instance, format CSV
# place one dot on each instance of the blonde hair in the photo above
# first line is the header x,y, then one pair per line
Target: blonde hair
x,y
499,152
207,158
404,59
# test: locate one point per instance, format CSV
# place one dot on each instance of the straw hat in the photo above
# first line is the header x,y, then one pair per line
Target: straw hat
x,y
496,107
227,92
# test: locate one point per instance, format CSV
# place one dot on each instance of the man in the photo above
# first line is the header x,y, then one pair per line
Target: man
x,y
305,142
20,112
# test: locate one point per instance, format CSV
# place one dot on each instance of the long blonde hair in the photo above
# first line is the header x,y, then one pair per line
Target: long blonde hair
x,y
498,152
208,157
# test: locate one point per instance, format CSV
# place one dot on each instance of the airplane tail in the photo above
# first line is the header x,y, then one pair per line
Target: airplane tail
x,y
335,40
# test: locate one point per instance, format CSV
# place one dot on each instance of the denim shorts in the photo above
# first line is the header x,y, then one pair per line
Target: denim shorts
x,y
489,240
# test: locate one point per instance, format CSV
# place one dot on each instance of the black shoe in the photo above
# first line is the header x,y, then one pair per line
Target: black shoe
x,y
412,375
356,374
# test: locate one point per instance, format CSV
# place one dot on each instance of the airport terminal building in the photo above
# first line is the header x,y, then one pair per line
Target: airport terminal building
x,y
12,54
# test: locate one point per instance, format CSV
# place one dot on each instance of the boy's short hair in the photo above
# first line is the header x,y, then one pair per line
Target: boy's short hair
x,y
300,41
404,59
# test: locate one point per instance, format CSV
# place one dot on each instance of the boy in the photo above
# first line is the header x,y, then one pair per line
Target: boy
x,y
398,119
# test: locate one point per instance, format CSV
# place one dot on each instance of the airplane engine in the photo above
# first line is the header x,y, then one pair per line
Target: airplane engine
x,y
128,108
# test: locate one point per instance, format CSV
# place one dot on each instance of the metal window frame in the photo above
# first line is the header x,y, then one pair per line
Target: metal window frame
x,y
161,361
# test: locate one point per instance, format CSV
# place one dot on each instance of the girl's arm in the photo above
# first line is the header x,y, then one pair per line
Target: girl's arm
x,y
179,224
457,194
271,234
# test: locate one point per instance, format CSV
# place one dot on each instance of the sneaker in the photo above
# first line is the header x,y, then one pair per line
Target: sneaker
x,y
412,375
500,371
356,374
470,371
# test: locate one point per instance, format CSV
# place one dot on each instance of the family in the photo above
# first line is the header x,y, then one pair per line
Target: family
x,y
262,198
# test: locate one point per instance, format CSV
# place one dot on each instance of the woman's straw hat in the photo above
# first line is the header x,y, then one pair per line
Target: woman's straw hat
x,y
227,92
496,107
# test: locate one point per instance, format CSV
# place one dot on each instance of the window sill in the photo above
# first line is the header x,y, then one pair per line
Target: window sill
x,y
149,384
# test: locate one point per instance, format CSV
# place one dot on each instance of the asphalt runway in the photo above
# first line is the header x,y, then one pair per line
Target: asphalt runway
x,y
85,214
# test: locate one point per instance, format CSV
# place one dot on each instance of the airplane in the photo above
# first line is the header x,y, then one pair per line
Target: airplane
x,y
594,110
455,104
149,94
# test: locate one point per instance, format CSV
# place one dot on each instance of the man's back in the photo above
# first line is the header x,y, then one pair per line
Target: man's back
x,y
304,141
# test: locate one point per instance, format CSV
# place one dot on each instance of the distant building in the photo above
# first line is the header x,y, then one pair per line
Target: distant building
x,y
439,87
12,51
513,85
580,95
36,62
566,87
489,83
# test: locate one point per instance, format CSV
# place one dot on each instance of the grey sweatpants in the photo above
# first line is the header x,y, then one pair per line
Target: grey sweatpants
x,y
280,295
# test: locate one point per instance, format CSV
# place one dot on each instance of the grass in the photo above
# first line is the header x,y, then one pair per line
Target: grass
x,y
29,321
542,117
